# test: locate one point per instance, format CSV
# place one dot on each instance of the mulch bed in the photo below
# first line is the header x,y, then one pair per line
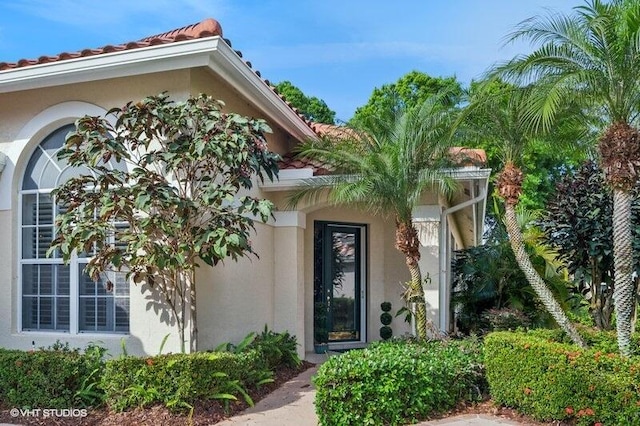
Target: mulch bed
x,y
204,413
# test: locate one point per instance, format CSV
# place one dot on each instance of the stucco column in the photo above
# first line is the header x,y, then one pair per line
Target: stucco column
x,y
426,219
288,297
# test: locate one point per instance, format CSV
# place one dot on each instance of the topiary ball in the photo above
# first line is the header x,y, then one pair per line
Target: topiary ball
x,y
385,306
386,318
386,332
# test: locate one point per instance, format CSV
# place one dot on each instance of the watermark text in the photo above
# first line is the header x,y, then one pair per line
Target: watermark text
x,y
48,412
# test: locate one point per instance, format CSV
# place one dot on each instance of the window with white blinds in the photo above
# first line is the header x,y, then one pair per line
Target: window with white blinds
x,y
58,297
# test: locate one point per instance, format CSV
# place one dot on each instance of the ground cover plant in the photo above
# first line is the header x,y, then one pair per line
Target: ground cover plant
x,y
397,382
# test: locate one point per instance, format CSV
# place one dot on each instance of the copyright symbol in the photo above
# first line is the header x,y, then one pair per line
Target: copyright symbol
x,y
14,412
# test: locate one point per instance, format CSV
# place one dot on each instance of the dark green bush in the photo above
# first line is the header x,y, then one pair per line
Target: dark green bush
x,y
276,349
559,381
386,332
397,382
506,319
51,378
386,318
177,380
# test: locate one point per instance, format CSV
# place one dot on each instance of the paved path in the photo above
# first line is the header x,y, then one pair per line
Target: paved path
x,y
289,405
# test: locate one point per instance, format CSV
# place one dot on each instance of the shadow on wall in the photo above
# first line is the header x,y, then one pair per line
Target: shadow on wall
x,y
156,302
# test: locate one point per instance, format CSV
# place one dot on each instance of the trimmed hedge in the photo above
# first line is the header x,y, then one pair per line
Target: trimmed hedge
x,y
559,381
51,378
177,380
397,382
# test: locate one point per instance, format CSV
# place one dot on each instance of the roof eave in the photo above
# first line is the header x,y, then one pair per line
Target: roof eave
x,y
211,52
295,178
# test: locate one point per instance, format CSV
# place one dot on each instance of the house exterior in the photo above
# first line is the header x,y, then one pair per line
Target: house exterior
x,y
45,300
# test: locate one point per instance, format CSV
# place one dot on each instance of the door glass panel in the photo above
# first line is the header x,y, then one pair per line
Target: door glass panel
x,y
344,287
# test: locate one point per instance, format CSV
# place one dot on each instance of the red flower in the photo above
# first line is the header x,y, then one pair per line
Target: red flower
x,y
589,412
569,410
149,361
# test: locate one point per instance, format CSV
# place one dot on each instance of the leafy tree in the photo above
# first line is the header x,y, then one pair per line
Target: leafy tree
x,y
488,277
578,224
312,108
186,163
592,57
502,115
410,91
385,169
543,161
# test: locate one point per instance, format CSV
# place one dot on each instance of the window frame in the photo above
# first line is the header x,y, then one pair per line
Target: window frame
x,y
74,263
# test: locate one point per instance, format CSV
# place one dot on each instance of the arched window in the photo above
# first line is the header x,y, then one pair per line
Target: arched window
x,y
58,297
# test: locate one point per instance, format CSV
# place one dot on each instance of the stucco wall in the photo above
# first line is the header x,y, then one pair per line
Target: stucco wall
x,y
234,298
204,81
386,270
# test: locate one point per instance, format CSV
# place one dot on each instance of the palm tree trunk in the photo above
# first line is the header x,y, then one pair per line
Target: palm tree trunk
x,y
537,283
407,243
417,297
623,296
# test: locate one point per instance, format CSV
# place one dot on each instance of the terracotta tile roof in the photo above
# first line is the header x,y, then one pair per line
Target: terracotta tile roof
x,y
206,28
468,156
290,161
462,157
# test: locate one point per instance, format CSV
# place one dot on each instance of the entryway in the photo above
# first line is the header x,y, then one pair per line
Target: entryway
x,y
340,283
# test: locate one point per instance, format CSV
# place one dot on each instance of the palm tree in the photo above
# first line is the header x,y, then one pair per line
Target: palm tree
x,y
592,57
384,166
497,111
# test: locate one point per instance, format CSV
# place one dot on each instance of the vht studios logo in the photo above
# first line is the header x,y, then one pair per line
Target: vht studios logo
x,y
48,412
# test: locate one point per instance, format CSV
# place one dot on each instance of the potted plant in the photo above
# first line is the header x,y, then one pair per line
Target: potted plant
x,y
320,333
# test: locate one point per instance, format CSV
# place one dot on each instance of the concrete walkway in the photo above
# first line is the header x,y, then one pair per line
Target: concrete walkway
x,y
292,405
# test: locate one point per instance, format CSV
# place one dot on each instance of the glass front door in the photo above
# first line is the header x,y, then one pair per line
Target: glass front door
x,y
339,282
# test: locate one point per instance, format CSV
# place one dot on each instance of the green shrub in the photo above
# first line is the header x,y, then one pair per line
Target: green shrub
x,y
506,319
276,349
559,381
177,380
57,377
386,332
605,341
396,382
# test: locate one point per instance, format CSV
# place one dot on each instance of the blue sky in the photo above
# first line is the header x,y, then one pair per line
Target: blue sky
x,y
336,50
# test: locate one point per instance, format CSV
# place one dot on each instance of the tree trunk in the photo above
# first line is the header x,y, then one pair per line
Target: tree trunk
x,y
623,293
193,323
417,297
539,286
407,243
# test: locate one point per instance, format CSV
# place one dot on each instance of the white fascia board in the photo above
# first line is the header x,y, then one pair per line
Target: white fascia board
x,y
125,63
292,179
211,52
468,173
227,63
